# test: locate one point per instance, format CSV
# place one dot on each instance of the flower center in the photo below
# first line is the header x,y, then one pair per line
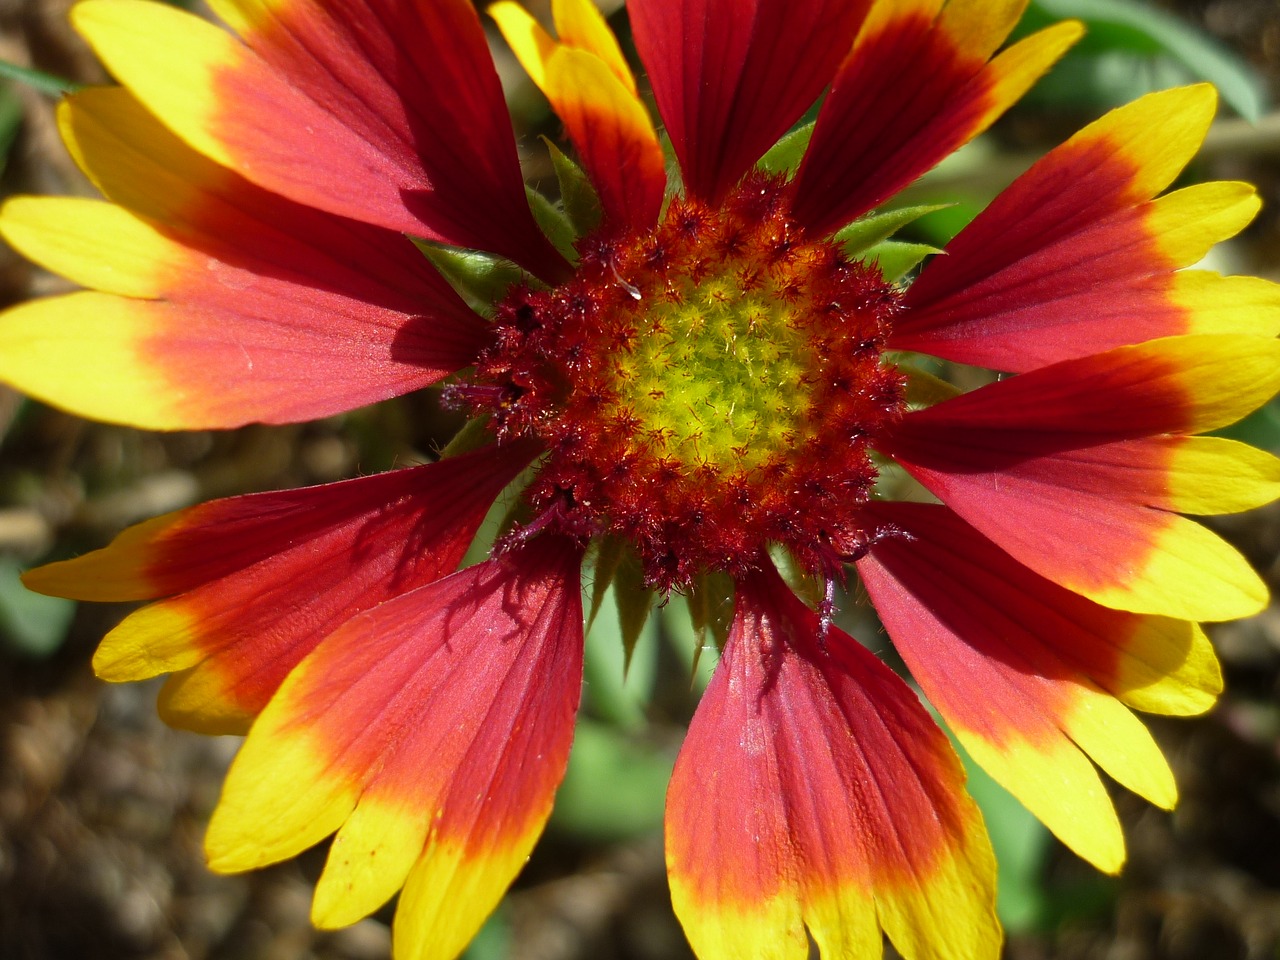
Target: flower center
x,y
703,389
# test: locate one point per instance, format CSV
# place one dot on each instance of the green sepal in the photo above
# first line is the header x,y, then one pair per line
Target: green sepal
x,y
554,223
634,601
865,232
619,686
671,165
803,584
508,509
710,601
606,555
896,257
676,621
481,279
475,433
785,155
578,197
617,566
924,389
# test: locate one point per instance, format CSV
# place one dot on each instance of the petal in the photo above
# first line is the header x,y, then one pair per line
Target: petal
x,y
1058,467
264,310
1075,258
916,86
596,99
1053,669
580,24
431,732
1174,385
335,106
169,366
261,579
731,76
1208,475
814,793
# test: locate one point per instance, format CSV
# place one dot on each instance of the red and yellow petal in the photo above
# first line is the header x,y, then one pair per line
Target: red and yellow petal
x,y
416,144
138,163
1069,470
918,84
1054,671
1178,385
594,94
227,304
431,733
256,582
1076,258
731,77
815,797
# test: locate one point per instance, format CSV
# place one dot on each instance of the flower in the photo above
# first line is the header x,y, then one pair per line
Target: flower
x,y
705,373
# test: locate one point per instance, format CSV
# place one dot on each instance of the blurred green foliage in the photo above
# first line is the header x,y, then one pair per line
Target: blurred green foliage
x,y
1132,48
31,625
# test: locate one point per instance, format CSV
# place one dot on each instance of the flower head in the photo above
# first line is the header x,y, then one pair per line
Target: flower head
x,y
708,371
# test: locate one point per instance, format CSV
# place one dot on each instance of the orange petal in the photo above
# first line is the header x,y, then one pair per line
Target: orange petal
x,y
813,793
1076,258
418,144
918,84
731,76
261,579
1070,470
1052,669
431,733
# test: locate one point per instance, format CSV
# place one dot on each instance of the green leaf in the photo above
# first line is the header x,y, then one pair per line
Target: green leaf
x,y
896,257
614,788
866,232
1143,35
481,279
31,624
785,155
46,83
577,195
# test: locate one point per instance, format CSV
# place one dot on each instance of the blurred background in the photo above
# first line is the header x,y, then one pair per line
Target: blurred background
x,y
102,808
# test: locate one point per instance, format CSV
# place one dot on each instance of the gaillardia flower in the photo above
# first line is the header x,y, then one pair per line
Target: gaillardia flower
x,y
700,373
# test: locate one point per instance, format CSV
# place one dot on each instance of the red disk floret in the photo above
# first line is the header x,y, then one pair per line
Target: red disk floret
x,y
703,389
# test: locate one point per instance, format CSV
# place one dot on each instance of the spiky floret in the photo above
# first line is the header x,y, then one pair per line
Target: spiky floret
x,y
704,388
